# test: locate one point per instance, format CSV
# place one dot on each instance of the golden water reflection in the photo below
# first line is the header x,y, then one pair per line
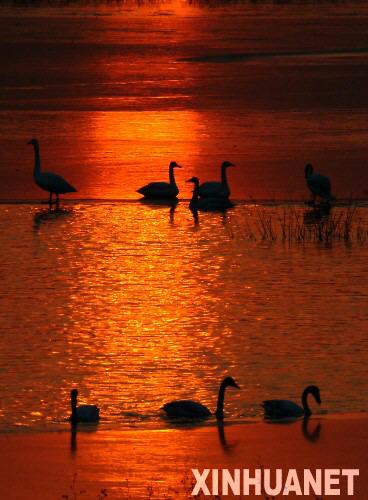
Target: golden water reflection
x,y
135,305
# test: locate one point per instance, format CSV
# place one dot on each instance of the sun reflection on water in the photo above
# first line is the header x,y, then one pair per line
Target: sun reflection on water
x,y
136,305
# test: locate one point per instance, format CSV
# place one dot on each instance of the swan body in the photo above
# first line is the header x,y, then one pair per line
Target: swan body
x,y
217,189
162,190
318,185
83,413
193,410
186,409
206,204
48,181
282,408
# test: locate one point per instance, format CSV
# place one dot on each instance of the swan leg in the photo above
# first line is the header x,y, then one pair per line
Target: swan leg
x,y
50,199
57,199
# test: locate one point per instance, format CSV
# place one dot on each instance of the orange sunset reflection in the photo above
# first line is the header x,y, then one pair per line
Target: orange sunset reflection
x,y
132,151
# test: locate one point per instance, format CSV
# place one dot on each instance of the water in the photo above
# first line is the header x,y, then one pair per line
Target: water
x,y
136,304
116,91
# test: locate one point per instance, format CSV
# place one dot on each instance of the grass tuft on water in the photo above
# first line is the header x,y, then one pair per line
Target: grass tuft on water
x,y
296,225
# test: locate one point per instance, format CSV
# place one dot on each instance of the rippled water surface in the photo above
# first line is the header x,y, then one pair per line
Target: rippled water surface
x,y
139,304
114,91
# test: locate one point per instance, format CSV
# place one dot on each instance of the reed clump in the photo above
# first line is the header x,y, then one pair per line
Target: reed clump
x,y
294,224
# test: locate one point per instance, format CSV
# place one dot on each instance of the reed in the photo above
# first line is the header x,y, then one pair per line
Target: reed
x,y
294,224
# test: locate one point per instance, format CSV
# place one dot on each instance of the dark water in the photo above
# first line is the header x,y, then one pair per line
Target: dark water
x,y
115,91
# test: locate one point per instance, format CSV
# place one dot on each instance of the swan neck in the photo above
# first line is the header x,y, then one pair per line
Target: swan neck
x,y
195,194
37,162
223,176
74,410
220,403
171,176
307,410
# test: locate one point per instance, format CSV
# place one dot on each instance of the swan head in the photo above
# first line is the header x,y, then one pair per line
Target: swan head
x,y
227,164
195,180
74,394
308,170
314,390
173,164
230,382
34,142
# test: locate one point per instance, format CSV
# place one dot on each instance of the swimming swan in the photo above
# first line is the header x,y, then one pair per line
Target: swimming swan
x,y
162,190
318,185
206,204
217,189
48,181
280,408
192,409
82,413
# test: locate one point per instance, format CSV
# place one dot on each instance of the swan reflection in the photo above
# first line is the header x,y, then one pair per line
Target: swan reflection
x,y
311,435
318,214
160,204
225,445
49,215
75,429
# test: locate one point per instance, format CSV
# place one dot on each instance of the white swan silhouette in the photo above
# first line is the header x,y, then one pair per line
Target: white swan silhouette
x,y
206,204
162,190
194,410
48,181
217,189
82,413
318,185
281,408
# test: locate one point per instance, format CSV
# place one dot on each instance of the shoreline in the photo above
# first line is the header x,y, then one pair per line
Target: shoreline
x,y
342,202
157,463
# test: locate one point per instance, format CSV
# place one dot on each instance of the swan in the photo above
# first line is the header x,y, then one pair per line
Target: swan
x,y
162,190
217,189
48,181
281,408
318,185
82,413
206,204
194,410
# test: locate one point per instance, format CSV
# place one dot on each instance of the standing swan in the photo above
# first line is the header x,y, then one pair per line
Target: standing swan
x,y
206,204
82,413
162,190
48,181
217,189
281,408
192,409
318,185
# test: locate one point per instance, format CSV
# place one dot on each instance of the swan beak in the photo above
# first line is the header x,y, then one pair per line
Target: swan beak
x,y
189,180
29,142
236,385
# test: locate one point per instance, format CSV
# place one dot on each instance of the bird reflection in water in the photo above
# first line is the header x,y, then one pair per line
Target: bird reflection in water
x,y
159,204
311,435
222,213
225,445
49,215
319,214
75,428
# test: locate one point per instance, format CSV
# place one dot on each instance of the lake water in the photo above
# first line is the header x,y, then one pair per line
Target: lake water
x,y
138,304
115,91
